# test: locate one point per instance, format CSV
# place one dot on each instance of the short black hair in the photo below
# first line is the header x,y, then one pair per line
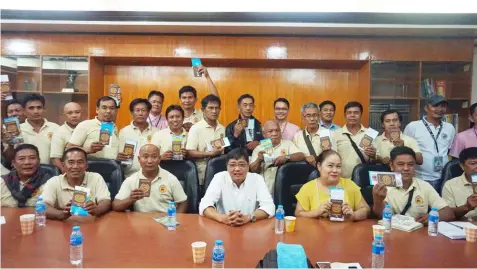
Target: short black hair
x,y
25,146
174,107
468,153
472,108
402,150
243,96
388,112
11,102
236,154
353,104
328,102
104,99
33,97
158,93
74,149
325,154
188,88
210,99
140,101
283,100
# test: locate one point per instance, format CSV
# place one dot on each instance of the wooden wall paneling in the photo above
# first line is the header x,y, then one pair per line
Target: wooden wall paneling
x,y
364,89
96,84
239,47
55,103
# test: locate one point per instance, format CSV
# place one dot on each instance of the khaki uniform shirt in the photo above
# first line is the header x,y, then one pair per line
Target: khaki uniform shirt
x,y
269,172
59,140
200,134
87,132
164,189
349,157
300,143
195,117
131,132
41,140
7,199
57,192
163,139
456,191
384,145
424,197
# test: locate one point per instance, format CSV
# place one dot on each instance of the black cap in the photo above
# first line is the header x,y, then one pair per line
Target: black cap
x,y
436,99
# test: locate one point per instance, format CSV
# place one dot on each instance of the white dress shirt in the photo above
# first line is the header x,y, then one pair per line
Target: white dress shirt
x,y
418,131
224,195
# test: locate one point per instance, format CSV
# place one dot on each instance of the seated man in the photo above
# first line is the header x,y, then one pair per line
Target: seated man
x,y
233,195
281,152
415,198
164,187
458,192
59,190
22,186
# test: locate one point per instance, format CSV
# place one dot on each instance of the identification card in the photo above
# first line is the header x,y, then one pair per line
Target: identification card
x,y
368,138
337,200
474,183
196,62
386,178
249,130
438,163
145,186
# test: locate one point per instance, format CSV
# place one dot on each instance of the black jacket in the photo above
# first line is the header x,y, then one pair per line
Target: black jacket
x,y
241,141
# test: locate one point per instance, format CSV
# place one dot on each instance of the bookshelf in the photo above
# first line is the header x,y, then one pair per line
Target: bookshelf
x,y
405,86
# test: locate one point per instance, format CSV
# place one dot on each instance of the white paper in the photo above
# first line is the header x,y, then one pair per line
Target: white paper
x,y
404,223
372,133
345,265
2,220
250,130
450,230
474,178
324,132
463,224
4,78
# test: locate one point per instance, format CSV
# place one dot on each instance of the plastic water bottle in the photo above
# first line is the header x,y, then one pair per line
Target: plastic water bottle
x,y
279,220
218,255
76,246
40,212
171,216
387,218
377,258
432,228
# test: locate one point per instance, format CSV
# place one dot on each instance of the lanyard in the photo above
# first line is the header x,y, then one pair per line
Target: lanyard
x,y
157,123
432,134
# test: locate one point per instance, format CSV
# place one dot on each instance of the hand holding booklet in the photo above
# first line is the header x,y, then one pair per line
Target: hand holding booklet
x,y
368,138
389,179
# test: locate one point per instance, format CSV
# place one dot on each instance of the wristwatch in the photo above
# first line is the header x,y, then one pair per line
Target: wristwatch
x,y
253,218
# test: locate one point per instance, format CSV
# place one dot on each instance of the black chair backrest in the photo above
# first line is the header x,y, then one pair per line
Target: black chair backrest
x,y
360,176
214,166
186,173
315,174
50,169
451,170
111,172
290,178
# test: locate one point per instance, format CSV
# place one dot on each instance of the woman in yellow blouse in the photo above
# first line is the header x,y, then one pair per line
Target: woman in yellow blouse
x,y
313,197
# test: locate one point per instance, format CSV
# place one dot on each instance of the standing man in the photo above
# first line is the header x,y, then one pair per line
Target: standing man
x,y
140,131
434,137
15,109
308,141
281,152
164,188
163,139
72,111
393,137
188,98
86,134
281,108
203,132
156,98
246,131
347,139
467,138
328,109
36,130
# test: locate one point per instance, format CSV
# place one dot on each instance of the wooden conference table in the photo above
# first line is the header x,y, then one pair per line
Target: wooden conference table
x,y
136,240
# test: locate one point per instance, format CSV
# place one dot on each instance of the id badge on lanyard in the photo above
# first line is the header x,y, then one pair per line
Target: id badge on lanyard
x,y
438,161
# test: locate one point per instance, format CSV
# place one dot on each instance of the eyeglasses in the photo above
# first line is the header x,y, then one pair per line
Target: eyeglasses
x,y
239,165
313,116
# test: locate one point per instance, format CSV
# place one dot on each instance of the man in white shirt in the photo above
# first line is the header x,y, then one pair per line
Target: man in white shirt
x,y
434,137
233,195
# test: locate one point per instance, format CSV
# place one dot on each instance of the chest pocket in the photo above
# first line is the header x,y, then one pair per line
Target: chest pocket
x,y
165,193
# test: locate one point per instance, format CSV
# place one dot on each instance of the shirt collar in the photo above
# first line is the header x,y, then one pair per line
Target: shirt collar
x,y
332,125
464,180
66,186
135,128
229,178
158,176
68,127
346,131
316,134
45,124
430,123
184,132
385,138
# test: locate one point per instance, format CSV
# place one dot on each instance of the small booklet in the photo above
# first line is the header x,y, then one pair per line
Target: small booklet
x,y
177,147
267,146
474,183
12,126
129,149
325,139
218,144
106,133
368,138
5,87
389,179
80,196
395,136
145,186
337,200
196,62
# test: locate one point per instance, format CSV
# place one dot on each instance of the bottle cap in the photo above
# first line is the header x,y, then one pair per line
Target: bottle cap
x,y
76,228
388,206
39,198
171,203
219,242
280,206
378,237
435,209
